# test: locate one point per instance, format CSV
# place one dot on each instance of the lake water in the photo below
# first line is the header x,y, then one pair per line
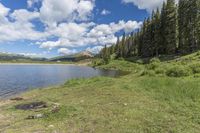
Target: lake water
x,y
15,79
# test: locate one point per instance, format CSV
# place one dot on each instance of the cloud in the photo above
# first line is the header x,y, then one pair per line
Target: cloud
x,y
30,3
148,5
19,27
67,22
105,12
66,51
53,12
95,49
73,35
24,15
3,13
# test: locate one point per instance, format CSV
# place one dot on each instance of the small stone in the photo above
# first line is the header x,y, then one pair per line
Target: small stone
x,y
56,104
37,116
125,104
56,108
51,126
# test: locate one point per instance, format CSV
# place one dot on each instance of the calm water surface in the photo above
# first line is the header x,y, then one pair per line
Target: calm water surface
x,y
15,79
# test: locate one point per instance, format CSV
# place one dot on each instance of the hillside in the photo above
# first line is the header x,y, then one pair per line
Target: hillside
x,y
5,57
157,96
75,57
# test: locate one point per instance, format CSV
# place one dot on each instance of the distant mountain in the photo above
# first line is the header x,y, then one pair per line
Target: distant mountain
x,y
75,57
18,57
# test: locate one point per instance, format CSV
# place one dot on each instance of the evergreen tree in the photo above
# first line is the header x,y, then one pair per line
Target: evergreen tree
x,y
123,46
170,33
171,28
182,26
157,36
162,29
106,54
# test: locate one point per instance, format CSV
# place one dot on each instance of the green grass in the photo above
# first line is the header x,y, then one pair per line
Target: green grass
x,y
148,100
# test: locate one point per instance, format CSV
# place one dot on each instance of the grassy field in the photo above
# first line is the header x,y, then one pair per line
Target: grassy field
x,y
156,97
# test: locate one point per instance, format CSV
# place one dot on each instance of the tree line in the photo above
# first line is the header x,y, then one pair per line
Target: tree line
x,y
175,29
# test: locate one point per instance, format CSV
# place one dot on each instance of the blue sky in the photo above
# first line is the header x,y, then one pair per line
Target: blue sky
x,y
50,28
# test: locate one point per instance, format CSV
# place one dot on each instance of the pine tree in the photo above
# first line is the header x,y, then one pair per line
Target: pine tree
x,y
157,32
197,23
194,23
106,54
117,48
146,48
170,28
123,46
182,26
162,30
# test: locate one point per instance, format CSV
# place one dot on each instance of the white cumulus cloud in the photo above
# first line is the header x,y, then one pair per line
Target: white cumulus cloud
x,y
148,5
73,35
53,11
105,12
67,22
66,51
95,49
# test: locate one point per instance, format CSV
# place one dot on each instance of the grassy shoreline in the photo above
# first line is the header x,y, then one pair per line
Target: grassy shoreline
x,y
143,101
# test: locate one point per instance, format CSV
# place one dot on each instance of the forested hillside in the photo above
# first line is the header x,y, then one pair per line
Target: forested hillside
x,y
175,29
5,57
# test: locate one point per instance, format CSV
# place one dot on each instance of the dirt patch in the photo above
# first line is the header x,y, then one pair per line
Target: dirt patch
x,y
31,106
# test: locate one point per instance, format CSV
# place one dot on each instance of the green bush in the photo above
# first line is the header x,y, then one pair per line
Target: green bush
x,y
179,71
198,53
153,64
98,62
154,60
195,68
113,56
140,61
148,73
197,75
160,71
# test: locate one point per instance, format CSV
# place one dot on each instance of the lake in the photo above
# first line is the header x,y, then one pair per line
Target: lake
x,y
15,79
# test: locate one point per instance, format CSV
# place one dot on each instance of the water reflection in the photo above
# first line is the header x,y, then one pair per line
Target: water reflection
x,y
18,78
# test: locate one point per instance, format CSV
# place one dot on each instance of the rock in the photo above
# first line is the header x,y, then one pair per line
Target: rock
x,y
55,109
125,104
17,99
51,126
37,116
30,106
56,104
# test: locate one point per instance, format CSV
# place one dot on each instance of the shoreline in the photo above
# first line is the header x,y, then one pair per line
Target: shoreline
x,y
72,64
33,64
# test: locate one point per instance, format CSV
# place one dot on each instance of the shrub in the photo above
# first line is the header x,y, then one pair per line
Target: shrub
x,y
113,56
148,73
140,61
197,75
198,53
153,64
160,71
154,60
98,62
178,71
195,68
